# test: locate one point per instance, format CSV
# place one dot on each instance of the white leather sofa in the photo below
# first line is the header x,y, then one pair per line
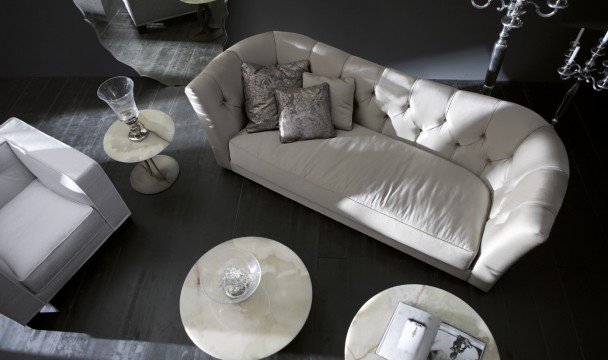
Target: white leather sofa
x,y
462,181
57,207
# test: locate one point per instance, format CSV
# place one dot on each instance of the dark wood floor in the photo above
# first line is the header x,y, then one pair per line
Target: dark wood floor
x,y
123,304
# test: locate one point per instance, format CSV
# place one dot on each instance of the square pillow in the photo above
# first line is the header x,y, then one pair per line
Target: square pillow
x,y
304,114
342,96
259,84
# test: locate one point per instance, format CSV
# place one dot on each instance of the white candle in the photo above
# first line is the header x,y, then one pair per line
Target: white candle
x,y
580,35
605,39
574,53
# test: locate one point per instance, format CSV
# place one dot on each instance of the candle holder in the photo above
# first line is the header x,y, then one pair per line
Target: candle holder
x,y
588,73
512,20
117,92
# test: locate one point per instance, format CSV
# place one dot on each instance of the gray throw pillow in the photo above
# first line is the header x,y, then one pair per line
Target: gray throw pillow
x,y
342,96
259,84
304,114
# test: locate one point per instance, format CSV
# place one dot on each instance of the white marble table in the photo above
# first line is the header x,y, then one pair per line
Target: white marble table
x,y
154,173
368,326
261,325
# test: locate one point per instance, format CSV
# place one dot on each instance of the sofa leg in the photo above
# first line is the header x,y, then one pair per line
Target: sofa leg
x,y
142,29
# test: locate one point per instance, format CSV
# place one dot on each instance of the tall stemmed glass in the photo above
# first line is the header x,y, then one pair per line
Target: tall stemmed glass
x,y
117,92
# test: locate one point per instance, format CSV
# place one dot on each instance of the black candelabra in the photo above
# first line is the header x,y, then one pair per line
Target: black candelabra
x,y
512,20
588,73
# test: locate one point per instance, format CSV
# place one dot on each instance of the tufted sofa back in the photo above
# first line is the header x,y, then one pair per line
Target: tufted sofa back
x,y
477,132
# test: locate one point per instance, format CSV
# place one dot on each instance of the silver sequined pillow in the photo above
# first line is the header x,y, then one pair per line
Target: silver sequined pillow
x,y
304,114
260,82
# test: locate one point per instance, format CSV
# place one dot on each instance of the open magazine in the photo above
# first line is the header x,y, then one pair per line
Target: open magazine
x,y
413,334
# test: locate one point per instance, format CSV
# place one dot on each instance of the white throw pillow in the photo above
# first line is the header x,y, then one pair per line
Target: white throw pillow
x,y
342,95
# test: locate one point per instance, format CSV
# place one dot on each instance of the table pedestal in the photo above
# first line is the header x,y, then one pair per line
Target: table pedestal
x,y
154,175
207,33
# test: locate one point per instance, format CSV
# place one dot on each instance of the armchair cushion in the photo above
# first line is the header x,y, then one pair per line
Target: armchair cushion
x,y
40,231
65,170
14,176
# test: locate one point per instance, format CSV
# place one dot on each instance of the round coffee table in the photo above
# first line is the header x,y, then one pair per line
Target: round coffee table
x,y
154,173
261,325
370,323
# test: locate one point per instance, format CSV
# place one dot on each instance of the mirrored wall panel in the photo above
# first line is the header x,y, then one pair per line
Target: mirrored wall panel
x,y
168,40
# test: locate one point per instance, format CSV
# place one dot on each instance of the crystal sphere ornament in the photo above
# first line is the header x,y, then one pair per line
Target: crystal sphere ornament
x,y
229,275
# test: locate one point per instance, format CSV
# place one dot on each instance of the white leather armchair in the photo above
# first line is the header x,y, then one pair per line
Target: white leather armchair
x,y
144,12
497,170
57,207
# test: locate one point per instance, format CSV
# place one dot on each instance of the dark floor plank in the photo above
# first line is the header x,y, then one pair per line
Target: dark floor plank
x,y
11,90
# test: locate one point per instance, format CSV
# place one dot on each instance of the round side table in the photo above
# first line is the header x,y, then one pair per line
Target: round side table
x,y
154,173
262,324
367,328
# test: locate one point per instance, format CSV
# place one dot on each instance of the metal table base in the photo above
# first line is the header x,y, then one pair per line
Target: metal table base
x,y
154,175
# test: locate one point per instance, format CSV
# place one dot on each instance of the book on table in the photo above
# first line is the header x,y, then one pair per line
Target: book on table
x,y
413,334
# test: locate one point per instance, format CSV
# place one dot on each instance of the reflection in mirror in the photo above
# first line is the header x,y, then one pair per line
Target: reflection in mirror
x,y
170,41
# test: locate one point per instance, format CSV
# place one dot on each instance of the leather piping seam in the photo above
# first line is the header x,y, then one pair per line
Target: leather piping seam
x,y
449,105
276,52
310,51
409,103
518,181
344,65
379,212
530,203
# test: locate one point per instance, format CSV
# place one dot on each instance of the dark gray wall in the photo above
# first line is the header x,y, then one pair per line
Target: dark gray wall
x,y
440,39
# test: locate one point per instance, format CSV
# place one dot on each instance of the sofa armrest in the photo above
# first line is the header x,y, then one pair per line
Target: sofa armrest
x,y
525,207
217,98
65,170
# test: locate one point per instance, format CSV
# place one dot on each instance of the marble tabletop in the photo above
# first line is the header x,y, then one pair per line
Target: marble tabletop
x,y
261,325
370,323
118,146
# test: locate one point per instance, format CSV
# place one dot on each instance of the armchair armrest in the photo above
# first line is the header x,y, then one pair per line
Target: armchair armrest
x,y
65,170
217,98
524,207
16,302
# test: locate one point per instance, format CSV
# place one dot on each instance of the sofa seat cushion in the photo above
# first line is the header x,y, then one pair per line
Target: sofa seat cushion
x,y
405,193
40,231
